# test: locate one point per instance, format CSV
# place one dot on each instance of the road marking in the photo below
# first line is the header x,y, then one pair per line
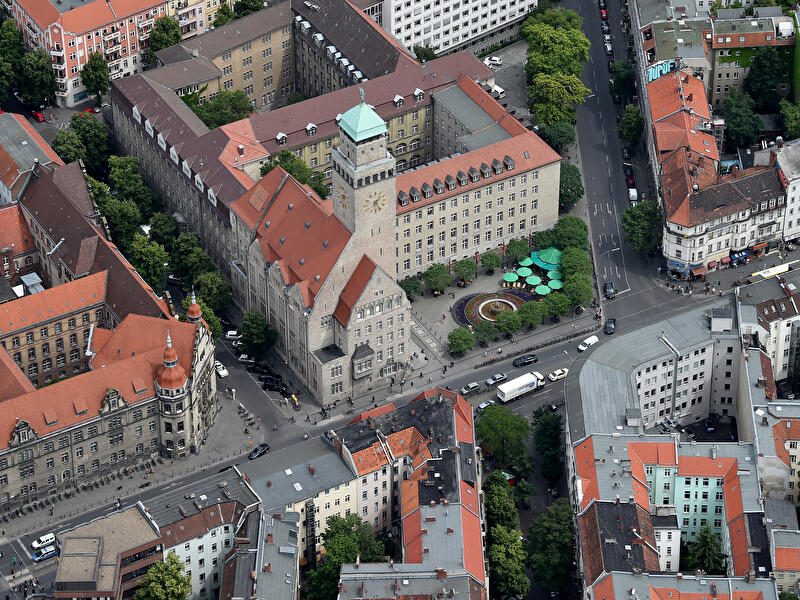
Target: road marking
x,y
25,550
617,268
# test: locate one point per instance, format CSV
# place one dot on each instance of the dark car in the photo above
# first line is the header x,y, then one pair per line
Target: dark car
x,y
528,359
601,4
267,374
626,153
259,450
604,27
608,290
627,168
611,325
617,99
630,181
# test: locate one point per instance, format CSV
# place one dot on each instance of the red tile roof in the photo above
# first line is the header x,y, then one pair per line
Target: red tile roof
x,y
739,545
87,17
370,458
783,430
412,536
680,171
353,289
678,130
771,390
14,381
677,91
295,229
584,465
375,412
71,297
787,559
473,549
14,230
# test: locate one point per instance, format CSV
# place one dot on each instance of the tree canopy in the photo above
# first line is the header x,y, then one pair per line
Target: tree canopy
x,y
11,45
94,75
503,434
465,269
706,553
641,224
543,239
224,15
437,277
165,33
123,216
574,261
165,580
551,546
126,182
790,112
767,71
555,50
212,287
579,289
424,53
553,97
6,78
298,169
242,8
557,304
507,559
411,286
225,107
490,260
571,232
485,332
623,80
35,78
631,125
548,443
460,340
517,249
95,138
558,135
531,313
163,229
257,335
742,124
509,322
499,503
149,259
560,18
570,187
181,247
68,145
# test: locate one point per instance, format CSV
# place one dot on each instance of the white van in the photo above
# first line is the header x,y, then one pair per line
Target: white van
x,y
46,540
501,93
589,341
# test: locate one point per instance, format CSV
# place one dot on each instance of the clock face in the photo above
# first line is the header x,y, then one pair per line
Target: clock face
x,y
342,197
375,202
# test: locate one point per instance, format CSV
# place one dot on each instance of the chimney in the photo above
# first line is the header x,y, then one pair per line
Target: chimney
x,y
735,171
358,560
441,573
311,469
690,97
268,568
241,150
270,539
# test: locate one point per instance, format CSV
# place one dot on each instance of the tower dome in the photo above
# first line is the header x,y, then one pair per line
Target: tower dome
x,y
171,376
194,313
362,122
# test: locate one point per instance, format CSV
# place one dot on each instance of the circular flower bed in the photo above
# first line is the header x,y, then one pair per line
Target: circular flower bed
x,y
467,310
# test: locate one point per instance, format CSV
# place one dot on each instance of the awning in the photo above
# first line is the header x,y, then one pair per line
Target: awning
x,y
712,264
698,271
725,260
759,246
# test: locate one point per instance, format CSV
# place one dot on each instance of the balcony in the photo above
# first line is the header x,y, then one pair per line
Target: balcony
x,y
144,35
107,37
61,93
58,52
61,79
117,75
112,49
145,22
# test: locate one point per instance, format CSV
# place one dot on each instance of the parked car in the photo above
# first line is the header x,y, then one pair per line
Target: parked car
x,y
617,99
88,111
484,405
37,116
558,374
237,343
611,325
267,374
601,4
258,451
626,153
528,359
630,181
604,14
48,539
587,343
233,335
220,368
604,27
246,360
174,279
44,554
496,378
608,290
470,388
493,61
609,49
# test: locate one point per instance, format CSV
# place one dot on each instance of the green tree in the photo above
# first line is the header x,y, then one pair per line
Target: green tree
x,y
294,98
485,332
11,45
551,546
6,78
509,322
466,269
517,249
437,277
424,53
557,304
499,503
742,124
165,33
531,313
226,107
94,75
767,72
242,8
578,288
297,169
212,287
224,15
150,259
641,224
559,18
503,434
522,492
344,538
36,80
571,232
96,140
558,135
623,80
554,50
507,556
257,335
631,125
706,552
791,119
544,239
211,319
68,145
181,247
411,286
165,581
575,261
122,216
787,596
548,443
196,263
570,187
126,182
553,97
163,229
715,6
490,261
460,340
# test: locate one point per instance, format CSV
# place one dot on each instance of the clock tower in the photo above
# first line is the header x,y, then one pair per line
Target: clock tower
x,y
364,179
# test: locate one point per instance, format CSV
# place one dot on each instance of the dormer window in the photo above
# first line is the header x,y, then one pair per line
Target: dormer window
x,y
281,138
419,95
162,143
474,175
427,190
173,154
508,162
438,186
311,130
148,127
186,170
415,195
212,197
198,182
137,115
331,51
318,39
402,198
398,101
485,171
462,178
497,166
450,181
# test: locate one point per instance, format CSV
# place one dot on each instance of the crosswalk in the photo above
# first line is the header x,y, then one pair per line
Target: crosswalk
x,y
426,338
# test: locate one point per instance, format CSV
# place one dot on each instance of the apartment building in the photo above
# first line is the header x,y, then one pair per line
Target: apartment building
x,y
787,158
70,30
108,557
159,396
446,27
785,548
621,584
733,42
673,45
18,254
195,16
253,54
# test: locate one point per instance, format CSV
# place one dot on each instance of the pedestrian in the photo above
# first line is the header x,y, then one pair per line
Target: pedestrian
x,y
13,560
373,399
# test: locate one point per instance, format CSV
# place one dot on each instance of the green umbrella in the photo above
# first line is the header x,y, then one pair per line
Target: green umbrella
x,y
534,280
555,284
555,275
542,290
510,277
524,272
551,255
525,262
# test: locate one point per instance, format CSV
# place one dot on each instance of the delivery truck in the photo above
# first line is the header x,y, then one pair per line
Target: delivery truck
x,y
517,387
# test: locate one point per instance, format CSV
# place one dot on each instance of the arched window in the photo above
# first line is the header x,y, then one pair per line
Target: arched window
x,y
401,149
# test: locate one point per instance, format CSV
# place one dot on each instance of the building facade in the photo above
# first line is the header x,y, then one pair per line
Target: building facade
x,y
195,16
71,31
18,254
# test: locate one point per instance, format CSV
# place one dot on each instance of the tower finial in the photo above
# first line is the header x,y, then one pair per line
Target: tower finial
x,y
194,300
361,90
169,340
